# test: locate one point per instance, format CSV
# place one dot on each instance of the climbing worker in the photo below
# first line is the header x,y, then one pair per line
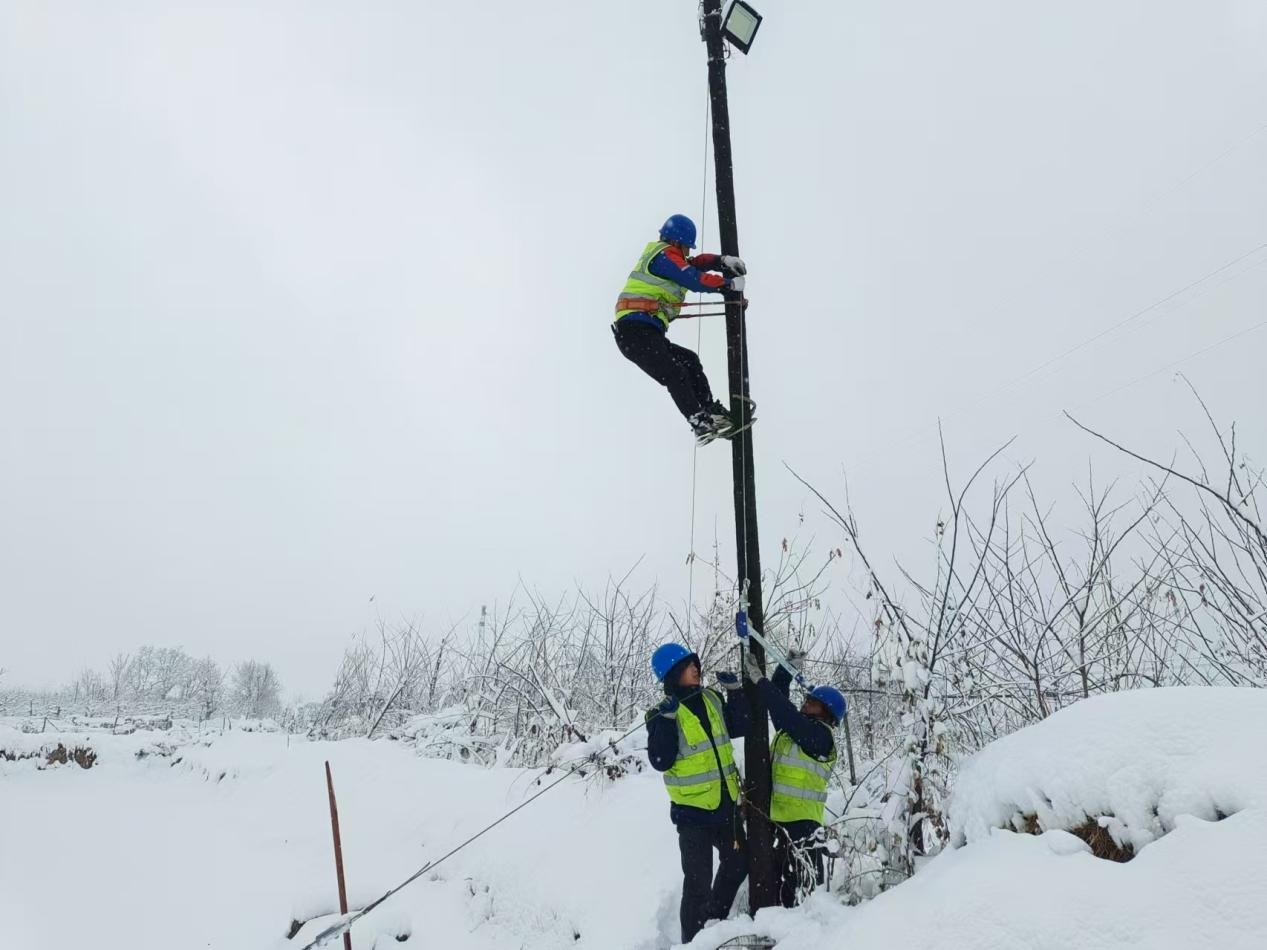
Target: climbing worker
x,y
688,739
651,300
801,758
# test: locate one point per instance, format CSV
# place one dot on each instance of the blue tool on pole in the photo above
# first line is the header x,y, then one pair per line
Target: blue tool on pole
x,y
829,696
745,631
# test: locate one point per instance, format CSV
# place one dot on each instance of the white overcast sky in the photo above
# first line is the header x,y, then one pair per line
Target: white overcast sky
x,y
306,303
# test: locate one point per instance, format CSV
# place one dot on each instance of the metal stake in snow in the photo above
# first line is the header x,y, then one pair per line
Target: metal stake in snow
x,y
343,925
338,855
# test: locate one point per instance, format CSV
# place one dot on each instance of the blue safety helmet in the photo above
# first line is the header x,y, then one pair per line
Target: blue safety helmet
x,y
668,656
833,699
679,229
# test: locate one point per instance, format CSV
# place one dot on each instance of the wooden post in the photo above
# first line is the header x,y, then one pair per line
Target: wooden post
x,y
853,773
338,855
763,876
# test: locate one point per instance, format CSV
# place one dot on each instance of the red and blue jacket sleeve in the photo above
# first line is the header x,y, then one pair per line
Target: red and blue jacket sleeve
x,y
670,264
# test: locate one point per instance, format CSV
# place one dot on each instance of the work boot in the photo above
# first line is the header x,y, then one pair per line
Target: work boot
x,y
722,420
708,426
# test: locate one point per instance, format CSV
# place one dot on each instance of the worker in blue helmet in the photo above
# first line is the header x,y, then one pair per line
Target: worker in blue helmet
x,y
801,759
688,741
652,299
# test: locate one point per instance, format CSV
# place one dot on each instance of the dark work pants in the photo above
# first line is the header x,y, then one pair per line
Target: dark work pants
x,y
703,897
792,873
674,367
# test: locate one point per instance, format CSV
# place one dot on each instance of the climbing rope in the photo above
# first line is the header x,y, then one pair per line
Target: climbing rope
x,y
743,375
345,924
699,341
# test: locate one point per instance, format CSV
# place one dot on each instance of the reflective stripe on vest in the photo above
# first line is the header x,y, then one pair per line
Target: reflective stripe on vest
x,y
694,778
793,792
799,781
683,750
663,297
803,761
681,780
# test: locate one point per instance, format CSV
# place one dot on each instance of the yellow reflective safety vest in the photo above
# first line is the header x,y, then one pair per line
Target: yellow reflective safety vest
x,y
799,781
646,293
694,778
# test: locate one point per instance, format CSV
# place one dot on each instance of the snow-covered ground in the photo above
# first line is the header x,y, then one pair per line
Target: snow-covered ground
x,y
222,841
225,841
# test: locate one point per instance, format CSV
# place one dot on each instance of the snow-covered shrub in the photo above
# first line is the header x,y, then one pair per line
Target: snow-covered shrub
x,y
1012,626
610,754
449,734
527,683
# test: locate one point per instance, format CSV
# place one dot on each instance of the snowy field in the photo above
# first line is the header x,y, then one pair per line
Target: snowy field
x,y
172,840
223,842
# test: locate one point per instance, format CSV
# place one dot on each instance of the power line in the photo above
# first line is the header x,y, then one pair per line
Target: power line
x,y
1145,208
699,345
1128,320
1169,366
1148,205
1046,364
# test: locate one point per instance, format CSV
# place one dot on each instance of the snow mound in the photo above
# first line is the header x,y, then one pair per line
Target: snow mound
x,y
1171,762
1200,887
1135,762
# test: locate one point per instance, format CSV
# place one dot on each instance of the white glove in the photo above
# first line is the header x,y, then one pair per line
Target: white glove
x,y
752,667
736,284
733,265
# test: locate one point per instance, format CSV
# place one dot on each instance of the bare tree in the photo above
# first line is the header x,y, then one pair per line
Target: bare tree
x,y
120,664
90,687
1208,577
910,651
205,686
256,689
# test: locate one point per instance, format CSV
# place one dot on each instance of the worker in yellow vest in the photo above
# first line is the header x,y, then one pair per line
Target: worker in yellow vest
x,y
688,740
801,759
651,299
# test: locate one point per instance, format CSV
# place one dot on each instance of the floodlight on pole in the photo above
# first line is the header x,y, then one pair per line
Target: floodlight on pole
x,y
740,26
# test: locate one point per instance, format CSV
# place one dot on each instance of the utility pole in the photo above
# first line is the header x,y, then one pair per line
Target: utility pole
x,y
762,879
